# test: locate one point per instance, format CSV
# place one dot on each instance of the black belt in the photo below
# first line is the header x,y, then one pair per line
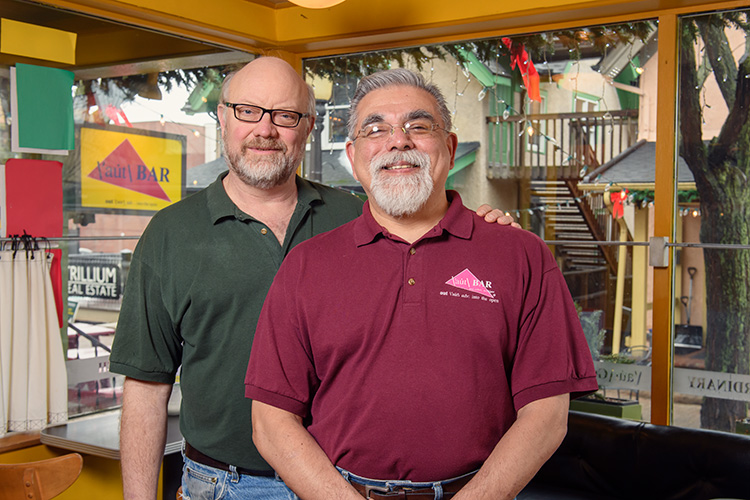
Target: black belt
x,y
197,456
402,492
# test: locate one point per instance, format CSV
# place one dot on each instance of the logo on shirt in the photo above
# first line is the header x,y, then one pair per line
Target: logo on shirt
x,y
466,280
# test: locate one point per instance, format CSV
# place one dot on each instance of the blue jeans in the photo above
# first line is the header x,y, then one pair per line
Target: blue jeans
x,y
200,482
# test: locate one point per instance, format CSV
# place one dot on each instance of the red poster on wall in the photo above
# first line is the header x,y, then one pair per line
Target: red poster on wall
x,y
33,198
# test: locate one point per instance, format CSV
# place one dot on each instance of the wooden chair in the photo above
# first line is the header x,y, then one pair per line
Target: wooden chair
x,y
40,480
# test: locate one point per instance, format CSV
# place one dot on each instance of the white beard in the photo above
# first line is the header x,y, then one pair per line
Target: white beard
x,y
262,173
401,195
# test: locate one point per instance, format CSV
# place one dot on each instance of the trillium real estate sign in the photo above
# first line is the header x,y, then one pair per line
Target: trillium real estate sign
x,y
94,277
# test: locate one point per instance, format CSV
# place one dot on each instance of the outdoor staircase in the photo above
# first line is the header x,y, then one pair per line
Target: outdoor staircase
x,y
578,220
552,158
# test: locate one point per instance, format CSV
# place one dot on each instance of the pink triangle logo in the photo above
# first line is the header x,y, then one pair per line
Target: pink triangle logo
x,y
465,280
124,168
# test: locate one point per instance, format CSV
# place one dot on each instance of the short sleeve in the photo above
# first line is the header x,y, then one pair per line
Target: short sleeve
x,y
281,372
553,356
146,345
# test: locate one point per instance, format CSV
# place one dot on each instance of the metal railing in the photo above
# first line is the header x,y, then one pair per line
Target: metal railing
x,y
557,145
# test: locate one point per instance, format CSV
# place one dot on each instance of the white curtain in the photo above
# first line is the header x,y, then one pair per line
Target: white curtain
x,y
33,378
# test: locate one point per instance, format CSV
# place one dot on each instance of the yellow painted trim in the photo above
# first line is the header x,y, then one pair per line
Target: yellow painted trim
x,y
502,24
640,282
220,33
664,206
388,23
357,25
39,42
622,253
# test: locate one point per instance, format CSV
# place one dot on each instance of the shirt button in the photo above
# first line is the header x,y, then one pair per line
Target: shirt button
x,y
411,281
412,250
264,231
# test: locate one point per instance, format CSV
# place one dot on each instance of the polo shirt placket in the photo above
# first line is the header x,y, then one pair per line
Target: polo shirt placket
x,y
414,289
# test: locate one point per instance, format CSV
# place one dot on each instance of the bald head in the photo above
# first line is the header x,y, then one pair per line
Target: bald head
x,y
274,75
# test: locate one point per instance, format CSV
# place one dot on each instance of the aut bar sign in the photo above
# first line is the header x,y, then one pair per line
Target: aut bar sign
x,y
130,170
124,168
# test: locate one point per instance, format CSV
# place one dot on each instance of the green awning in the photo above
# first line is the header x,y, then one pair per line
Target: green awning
x,y
466,154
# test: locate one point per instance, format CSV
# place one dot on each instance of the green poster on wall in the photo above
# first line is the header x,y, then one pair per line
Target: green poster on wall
x,y
42,106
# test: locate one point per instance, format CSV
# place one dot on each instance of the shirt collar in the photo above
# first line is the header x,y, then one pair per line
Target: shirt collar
x,y
457,221
220,206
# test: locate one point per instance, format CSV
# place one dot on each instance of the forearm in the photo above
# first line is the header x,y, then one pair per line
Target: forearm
x,y
143,431
295,455
528,444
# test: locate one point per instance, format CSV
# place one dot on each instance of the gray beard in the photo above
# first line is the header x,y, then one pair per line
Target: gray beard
x,y
261,173
403,195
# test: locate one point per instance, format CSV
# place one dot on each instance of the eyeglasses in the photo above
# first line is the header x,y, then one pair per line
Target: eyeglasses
x,y
381,131
254,114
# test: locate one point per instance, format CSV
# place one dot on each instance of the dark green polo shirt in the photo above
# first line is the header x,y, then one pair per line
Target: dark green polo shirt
x,y
196,286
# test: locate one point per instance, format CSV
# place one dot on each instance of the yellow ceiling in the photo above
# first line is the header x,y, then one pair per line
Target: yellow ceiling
x,y
101,42
122,32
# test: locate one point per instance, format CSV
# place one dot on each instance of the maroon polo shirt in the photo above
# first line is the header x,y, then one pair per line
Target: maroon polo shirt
x,y
411,361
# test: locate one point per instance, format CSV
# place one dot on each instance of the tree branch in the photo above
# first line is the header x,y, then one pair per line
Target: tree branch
x,y
719,54
692,148
737,118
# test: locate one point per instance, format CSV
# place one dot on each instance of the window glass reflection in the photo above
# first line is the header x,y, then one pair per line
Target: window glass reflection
x,y
712,313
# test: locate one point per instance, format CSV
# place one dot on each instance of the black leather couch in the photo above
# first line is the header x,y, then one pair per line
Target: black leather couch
x,y
609,458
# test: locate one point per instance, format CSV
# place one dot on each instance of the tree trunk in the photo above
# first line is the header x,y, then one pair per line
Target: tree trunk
x,y
721,176
727,303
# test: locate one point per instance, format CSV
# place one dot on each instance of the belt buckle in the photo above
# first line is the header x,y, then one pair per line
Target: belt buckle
x,y
398,491
375,489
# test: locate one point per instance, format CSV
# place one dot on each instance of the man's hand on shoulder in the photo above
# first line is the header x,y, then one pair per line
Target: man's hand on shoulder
x,y
492,215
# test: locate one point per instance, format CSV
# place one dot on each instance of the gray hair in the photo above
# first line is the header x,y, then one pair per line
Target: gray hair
x,y
387,78
310,93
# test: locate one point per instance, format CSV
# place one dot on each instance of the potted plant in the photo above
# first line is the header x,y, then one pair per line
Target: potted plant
x,y
599,402
742,426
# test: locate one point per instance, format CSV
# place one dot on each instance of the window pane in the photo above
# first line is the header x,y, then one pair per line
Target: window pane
x,y
133,155
712,312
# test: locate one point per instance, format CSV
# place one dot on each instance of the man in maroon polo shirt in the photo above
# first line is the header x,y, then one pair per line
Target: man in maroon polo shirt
x,y
413,350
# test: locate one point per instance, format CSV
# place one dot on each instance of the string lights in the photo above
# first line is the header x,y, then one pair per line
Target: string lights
x,y
577,80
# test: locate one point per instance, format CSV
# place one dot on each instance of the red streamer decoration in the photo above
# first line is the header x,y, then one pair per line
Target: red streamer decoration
x,y
519,57
617,200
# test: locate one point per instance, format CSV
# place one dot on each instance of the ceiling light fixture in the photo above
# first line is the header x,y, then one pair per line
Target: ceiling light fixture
x,y
316,4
